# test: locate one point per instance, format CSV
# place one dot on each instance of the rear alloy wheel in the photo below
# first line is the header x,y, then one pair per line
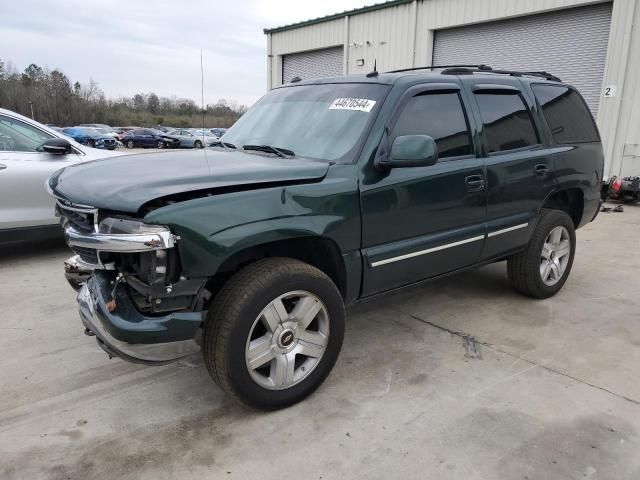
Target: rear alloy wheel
x,y
130,144
541,270
197,144
555,255
274,332
161,144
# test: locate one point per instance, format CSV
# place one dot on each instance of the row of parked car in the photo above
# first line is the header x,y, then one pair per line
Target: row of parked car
x,y
106,137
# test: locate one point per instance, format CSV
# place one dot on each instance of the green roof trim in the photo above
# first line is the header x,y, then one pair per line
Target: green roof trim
x,y
327,18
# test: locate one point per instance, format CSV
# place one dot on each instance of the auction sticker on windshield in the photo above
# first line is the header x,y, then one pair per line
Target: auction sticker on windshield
x,y
360,104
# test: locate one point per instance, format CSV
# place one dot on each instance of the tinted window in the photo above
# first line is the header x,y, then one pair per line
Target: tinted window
x,y
506,120
440,116
566,113
18,136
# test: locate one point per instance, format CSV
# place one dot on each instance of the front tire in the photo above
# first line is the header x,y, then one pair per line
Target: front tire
x,y
543,267
197,144
274,332
130,144
161,144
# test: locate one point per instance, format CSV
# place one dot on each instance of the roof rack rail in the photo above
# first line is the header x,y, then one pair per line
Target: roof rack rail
x,y
481,67
515,73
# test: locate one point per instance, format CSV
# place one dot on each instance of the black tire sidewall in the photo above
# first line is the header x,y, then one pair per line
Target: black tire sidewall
x,y
551,220
238,373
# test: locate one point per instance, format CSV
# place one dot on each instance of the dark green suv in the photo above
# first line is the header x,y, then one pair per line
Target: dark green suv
x,y
323,194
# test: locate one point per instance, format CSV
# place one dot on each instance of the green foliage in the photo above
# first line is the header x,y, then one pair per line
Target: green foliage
x,y
57,100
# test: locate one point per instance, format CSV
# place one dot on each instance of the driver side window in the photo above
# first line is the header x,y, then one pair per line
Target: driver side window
x,y
18,136
439,115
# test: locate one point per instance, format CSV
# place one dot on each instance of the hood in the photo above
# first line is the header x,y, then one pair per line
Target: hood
x,y
125,183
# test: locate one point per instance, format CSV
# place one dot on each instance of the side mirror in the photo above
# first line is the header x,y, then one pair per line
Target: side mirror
x,y
412,151
57,146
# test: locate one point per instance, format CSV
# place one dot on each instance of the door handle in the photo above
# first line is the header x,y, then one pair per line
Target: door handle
x,y
474,183
541,170
2,166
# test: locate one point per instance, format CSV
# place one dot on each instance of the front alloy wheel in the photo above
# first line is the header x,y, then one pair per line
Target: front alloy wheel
x,y
287,340
274,332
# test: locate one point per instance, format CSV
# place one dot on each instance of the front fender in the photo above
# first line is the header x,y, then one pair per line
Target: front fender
x,y
211,229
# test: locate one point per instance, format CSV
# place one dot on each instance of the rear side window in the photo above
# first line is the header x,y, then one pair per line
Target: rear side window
x,y
507,122
566,113
440,116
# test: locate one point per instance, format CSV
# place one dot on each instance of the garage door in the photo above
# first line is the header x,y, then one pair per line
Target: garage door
x,y
571,44
318,63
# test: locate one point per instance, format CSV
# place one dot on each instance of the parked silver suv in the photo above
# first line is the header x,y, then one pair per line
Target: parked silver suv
x,y
29,153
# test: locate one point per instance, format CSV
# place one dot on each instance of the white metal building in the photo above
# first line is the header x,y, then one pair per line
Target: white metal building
x,y
592,45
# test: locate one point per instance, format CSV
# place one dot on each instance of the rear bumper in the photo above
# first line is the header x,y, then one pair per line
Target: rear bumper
x,y
128,334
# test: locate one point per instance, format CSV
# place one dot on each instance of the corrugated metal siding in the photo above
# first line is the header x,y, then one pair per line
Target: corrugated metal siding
x,y
571,44
306,65
384,36
619,120
312,37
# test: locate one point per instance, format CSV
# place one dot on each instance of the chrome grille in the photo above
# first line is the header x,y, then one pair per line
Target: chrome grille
x,y
82,218
89,255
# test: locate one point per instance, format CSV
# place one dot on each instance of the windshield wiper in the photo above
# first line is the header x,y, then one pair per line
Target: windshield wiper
x,y
225,145
281,152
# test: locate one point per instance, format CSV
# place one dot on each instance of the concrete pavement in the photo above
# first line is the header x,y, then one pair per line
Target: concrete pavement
x,y
458,379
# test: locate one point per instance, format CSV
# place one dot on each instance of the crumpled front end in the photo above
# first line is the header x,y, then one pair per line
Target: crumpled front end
x,y
132,295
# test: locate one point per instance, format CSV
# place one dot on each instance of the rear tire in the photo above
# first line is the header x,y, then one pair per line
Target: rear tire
x,y
273,333
130,144
197,144
543,267
161,144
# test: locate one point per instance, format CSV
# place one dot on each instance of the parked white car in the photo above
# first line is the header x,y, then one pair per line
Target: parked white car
x,y
29,153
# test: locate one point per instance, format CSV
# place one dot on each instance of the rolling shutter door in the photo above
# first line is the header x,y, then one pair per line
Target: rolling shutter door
x,y
571,44
318,63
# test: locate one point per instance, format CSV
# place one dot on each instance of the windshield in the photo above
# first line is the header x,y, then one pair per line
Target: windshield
x,y
321,122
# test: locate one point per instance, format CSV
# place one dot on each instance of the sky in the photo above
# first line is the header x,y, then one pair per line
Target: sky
x,y
131,46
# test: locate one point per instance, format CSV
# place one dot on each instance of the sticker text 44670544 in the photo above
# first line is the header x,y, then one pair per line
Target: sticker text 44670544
x,y
360,104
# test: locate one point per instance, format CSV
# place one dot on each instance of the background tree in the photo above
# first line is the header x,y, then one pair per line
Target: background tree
x,y
57,100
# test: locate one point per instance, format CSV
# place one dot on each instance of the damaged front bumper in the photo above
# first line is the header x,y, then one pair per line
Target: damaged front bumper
x,y
132,336
77,271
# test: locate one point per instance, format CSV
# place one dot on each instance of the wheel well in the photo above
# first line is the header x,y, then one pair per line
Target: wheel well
x,y
570,201
320,252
